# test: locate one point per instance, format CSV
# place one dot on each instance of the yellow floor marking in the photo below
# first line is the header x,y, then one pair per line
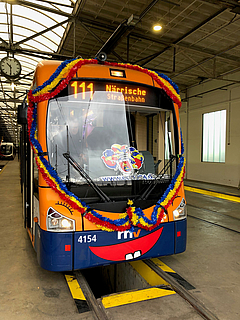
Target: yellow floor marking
x,y
74,287
213,194
147,273
162,265
3,168
134,296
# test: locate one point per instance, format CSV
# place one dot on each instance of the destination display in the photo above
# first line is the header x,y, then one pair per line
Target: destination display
x,y
131,93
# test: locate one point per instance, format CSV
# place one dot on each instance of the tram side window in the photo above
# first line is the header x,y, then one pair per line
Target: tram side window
x,y
170,152
35,174
35,177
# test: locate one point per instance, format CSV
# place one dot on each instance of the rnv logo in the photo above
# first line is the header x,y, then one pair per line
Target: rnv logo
x,y
128,234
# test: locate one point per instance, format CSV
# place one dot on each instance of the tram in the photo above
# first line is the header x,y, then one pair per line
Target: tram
x,y
102,164
7,151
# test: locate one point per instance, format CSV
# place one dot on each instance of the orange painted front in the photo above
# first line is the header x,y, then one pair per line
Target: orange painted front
x,y
49,198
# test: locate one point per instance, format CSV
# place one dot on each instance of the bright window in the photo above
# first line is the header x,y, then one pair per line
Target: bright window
x,y
168,142
214,136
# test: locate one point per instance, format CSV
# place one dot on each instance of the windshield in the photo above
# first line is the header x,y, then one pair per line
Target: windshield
x,y
93,131
6,149
115,137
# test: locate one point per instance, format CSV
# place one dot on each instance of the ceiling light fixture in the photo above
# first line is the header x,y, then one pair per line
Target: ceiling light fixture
x,y
157,27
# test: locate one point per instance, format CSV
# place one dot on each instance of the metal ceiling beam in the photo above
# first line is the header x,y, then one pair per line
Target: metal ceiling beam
x,y
37,6
157,54
229,3
11,27
10,100
124,29
16,90
77,8
26,75
99,39
206,60
5,93
6,116
36,53
89,21
147,9
198,65
58,3
42,32
3,41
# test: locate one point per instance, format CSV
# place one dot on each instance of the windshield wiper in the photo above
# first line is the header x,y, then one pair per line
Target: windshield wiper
x,y
158,179
84,174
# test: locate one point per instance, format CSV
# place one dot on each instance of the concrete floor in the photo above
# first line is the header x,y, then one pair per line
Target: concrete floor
x,y
211,263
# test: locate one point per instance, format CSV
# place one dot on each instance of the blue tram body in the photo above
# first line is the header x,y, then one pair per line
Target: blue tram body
x,y
71,251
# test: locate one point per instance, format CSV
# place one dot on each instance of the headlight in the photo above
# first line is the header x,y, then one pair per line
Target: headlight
x,y
180,212
59,223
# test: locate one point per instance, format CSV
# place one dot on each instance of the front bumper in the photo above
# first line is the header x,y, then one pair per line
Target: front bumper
x,y
65,251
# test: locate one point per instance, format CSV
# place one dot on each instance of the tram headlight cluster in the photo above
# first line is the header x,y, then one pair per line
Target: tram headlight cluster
x,y
59,223
181,211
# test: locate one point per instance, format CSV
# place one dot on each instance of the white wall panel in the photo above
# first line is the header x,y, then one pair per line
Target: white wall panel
x,y
228,98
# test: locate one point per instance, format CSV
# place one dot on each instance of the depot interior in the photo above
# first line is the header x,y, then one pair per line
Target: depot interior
x,y
196,44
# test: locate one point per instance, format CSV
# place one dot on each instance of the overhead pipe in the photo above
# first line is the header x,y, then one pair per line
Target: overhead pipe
x,y
114,39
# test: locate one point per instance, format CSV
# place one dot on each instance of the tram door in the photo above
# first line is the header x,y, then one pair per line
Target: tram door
x,y
26,169
29,198
23,168
26,178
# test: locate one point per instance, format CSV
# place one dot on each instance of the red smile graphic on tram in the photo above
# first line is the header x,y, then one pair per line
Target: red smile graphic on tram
x,y
128,250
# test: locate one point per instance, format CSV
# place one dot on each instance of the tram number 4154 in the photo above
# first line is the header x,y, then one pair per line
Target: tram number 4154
x,y
89,238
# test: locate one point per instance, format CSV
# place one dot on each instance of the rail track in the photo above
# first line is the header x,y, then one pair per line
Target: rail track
x,y
185,294
95,305
211,222
98,309
100,313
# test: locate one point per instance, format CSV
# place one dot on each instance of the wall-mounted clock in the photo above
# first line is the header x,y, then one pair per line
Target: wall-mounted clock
x,y
10,67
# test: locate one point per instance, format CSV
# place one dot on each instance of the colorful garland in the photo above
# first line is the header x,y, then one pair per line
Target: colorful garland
x,y
133,216
169,87
138,217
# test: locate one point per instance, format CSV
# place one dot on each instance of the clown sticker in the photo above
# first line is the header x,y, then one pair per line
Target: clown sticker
x,y
122,158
